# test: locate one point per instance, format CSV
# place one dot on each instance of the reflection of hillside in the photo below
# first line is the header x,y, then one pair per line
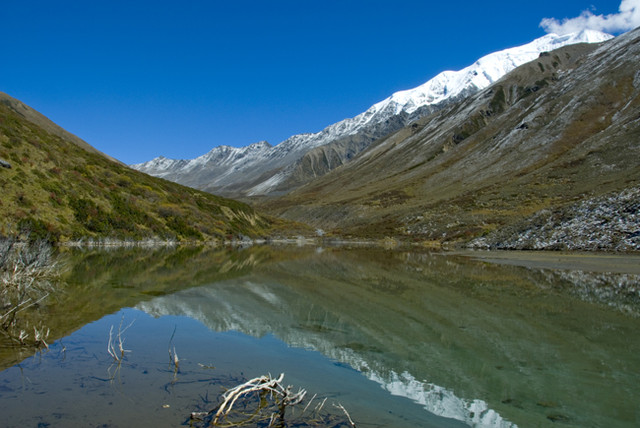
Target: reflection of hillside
x,y
618,290
491,337
97,283
609,279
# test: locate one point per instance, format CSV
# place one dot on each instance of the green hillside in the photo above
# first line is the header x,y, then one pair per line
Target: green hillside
x,y
55,186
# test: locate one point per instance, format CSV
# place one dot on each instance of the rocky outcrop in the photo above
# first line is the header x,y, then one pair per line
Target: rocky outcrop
x,y
607,223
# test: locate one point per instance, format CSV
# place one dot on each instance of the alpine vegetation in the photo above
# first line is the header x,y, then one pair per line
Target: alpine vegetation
x,y
61,189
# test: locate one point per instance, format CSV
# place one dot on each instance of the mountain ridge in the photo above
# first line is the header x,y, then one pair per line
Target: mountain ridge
x,y
45,123
277,169
556,139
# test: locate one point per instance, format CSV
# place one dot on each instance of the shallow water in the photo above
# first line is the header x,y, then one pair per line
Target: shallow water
x,y
398,338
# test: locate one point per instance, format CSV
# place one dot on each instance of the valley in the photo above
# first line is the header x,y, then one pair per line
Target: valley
x,y
549,140
556,138
463,253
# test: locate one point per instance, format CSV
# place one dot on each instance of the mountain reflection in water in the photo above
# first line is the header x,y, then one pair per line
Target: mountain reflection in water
x,y
486,344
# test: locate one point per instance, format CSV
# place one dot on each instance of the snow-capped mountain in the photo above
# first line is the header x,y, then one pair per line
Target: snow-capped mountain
x,y
213,166
259,169
479,75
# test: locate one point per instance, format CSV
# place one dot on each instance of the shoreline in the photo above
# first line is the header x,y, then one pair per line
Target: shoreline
x,y
601,261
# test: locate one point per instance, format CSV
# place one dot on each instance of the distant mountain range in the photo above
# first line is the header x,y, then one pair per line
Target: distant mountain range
x,y
261,169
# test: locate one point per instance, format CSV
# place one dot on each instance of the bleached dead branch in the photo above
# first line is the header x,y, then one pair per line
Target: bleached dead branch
x,y
27,276
119,352
341,407
283,396
264,386
173,355
262,401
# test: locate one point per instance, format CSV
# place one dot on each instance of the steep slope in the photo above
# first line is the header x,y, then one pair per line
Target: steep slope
x,y
260,169
54,187
43,122
557,131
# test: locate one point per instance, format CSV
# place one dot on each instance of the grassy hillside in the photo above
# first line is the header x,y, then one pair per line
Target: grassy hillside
x,y
61,189
43,122
555,132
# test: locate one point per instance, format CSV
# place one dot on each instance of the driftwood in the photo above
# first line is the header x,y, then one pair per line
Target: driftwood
x,y
117,353
282,396
262,401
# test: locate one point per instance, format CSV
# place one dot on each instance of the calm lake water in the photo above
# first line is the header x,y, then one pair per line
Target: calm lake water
x,y
400,339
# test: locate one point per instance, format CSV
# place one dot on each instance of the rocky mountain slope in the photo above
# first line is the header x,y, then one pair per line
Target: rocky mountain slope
x,y
56,186
261,169
559,135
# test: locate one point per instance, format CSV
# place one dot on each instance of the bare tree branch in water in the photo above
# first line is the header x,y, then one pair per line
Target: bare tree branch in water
x,y
27,277
263,402
117,353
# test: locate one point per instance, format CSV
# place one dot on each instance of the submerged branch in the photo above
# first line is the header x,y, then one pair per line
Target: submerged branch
x,y
28,275
269,399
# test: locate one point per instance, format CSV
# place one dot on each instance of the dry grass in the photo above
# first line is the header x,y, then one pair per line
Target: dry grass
x,y
27,275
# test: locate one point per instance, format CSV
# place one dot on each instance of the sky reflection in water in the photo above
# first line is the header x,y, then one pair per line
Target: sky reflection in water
x,y
486,345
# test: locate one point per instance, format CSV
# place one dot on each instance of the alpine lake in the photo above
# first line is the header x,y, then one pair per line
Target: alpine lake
x,y
384,337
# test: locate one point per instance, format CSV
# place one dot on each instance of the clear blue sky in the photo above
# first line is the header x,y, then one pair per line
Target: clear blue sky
x,y
139,79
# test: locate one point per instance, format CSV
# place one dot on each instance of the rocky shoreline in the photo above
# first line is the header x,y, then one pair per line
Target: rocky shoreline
x,y
606,223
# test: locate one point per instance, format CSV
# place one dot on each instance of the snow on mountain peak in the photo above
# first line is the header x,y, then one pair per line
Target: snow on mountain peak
x,y
482,73
265,166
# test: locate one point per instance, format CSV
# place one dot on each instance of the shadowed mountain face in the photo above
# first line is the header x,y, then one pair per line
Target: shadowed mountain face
x,y
557,139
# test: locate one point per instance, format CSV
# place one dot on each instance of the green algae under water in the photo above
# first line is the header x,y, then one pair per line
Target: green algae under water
x,y
398,338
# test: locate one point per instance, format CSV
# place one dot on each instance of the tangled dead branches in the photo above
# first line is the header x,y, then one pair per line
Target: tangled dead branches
x,y
264,385
27,273
263,401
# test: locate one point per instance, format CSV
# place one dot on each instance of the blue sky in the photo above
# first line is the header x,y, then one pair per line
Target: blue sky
x,y
139,79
